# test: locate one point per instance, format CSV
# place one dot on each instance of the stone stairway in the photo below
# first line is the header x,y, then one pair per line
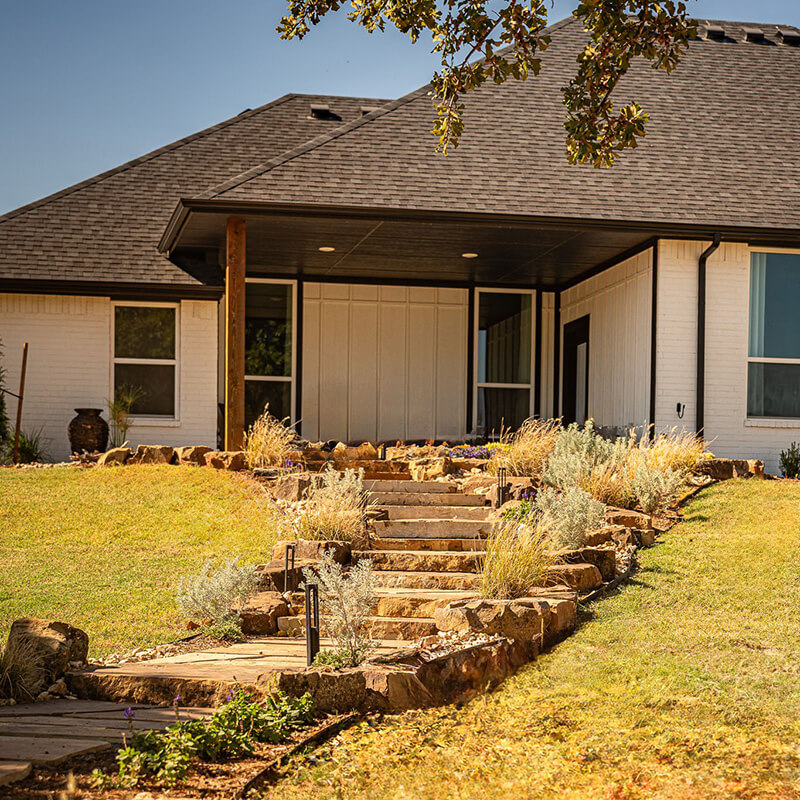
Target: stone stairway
x,y
426,552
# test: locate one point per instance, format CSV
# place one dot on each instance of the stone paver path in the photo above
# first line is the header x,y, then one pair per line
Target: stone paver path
x,y
36,734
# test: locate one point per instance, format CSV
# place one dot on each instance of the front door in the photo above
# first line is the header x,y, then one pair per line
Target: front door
x,y
576,371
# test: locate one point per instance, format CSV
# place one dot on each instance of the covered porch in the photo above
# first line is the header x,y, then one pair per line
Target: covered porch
x,y
382,325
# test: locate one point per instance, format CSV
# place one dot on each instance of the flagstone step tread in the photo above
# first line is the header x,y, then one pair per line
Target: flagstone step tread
x,y
39,751
403,628
427,580
399,544
426,487
432,528
10,772
421,560
400,498
480,513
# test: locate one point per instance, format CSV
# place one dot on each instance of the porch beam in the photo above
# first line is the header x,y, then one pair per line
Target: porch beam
x,y
235,268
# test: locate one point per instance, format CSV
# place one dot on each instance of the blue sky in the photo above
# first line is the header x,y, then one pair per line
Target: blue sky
x,y
89,84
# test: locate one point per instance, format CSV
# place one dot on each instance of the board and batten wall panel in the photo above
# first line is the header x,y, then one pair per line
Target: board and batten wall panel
x,y
70,366
728,431
548,353
618,302
383,362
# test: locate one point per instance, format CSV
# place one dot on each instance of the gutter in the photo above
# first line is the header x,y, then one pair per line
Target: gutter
x,y
700,387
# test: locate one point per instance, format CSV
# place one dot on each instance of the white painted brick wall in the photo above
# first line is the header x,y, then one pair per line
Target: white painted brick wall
x,y
728,288
69,365
618,301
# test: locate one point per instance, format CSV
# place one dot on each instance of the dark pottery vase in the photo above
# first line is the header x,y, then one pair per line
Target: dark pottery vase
x,y
88,431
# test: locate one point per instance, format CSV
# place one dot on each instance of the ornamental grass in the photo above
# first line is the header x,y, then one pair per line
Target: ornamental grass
x,y
268,442
525,452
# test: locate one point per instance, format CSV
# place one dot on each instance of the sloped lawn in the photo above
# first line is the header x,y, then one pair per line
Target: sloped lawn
x,y
684,685
104,549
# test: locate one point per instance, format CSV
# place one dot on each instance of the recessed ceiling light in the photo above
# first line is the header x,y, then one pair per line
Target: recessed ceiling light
x,y
326,249
469,255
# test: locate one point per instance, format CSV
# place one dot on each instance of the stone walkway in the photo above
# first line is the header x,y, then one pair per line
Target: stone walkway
x,y
40,734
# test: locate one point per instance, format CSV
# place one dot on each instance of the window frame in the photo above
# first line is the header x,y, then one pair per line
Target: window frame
x,y
149,419
476,385
292,379
750,419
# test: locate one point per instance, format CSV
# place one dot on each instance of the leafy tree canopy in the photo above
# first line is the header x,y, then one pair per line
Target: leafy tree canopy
x,y
496,40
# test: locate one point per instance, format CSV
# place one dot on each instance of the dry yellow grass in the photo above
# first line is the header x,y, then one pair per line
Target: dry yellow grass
x,y
268,442
528,449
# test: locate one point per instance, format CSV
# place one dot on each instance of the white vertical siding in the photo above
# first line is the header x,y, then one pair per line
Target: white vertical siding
x,y
548,352
69,366
618,302
382,362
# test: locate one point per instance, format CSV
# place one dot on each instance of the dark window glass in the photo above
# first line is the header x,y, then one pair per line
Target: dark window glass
x,y
501,409
504,338
268,329
141,332
774,304
157,383
773,390
260,394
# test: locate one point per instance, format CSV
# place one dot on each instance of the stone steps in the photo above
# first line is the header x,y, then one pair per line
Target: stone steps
x,y
387,579
417,487
400,498
407,628
480,513
431,528
415,603
457,545
421,560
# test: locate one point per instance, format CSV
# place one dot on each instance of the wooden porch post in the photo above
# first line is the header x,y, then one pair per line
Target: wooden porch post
x,y
234,333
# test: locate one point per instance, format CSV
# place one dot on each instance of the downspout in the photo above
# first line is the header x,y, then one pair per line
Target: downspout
x,y
700,388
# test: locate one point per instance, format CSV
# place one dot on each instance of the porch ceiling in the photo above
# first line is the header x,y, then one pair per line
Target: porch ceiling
x,y
407,246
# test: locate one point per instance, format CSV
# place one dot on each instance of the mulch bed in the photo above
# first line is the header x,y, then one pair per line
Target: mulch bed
x,y
231,779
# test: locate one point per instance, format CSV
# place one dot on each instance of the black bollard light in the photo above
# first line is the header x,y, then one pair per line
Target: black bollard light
x,y
501,485
312,622
288,569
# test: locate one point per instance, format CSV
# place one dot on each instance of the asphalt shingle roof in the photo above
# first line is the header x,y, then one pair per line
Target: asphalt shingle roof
x,y
723,146
107,229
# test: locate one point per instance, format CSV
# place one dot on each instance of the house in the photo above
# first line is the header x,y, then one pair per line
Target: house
x,y
319,255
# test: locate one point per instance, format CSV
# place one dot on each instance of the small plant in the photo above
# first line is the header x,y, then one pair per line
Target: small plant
x,y
119,412
517,556
522,512
655,488
217,594
346,601
790,461
227,629
20,670
268,442
526,452
335,509
31,448
335,658
231,732
568,516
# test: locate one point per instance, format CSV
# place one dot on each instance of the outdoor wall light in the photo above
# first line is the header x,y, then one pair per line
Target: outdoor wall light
x,y
469,255
326,249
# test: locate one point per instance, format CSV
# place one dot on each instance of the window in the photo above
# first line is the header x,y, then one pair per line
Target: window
x,y
145,347
503,360
773,369
269,349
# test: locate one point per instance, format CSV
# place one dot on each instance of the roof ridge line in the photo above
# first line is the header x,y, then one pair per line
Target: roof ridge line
x,y
313,144
167,148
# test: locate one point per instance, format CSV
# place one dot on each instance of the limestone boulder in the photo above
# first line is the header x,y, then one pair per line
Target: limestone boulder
x,y
193,454
524,619
723,469
153,454
429,469
311,550
478,484
362,452
292,487
604,558
53,646
115,457
581,577
628,518
259,617
231,460
603,535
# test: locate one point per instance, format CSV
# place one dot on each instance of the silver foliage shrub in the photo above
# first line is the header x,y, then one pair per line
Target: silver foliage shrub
x,y
335,509
577,452
346,600
216,593
655,488
568,516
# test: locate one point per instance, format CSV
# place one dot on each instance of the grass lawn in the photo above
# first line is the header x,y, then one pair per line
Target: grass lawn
x,y
684,685
104,549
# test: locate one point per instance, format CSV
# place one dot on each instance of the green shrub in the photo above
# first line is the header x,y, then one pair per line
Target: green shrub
x,y
655,488
227,629
231,732
31,448
790,461
568,516
337,658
